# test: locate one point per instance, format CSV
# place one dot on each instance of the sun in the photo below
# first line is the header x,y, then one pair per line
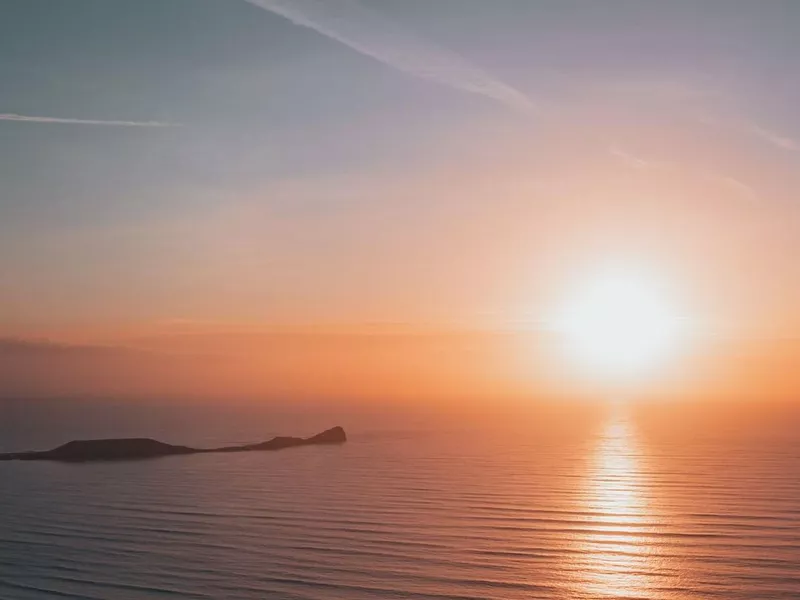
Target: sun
x,y
620,323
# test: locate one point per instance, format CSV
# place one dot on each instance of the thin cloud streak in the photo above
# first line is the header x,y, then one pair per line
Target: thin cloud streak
x,y
629,159
37,119
376,36
732,184
771,137
755,131
740,187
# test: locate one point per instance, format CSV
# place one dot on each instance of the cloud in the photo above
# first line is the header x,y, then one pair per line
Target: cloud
x,y
42,348
746,191
723,180
629,159
34,119
376,36
754,130
770,137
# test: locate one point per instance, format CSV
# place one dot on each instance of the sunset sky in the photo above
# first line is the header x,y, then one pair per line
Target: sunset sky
x,y
227,166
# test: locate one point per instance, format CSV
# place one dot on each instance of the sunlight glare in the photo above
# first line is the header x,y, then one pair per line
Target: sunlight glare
x,y
620,323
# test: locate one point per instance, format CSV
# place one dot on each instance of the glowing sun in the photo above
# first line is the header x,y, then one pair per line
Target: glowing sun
x,y
620,323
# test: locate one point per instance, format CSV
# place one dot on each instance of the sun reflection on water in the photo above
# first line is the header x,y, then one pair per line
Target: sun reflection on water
x,y
615,557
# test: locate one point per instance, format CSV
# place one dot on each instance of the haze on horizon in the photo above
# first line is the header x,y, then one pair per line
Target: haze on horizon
x,y
223,196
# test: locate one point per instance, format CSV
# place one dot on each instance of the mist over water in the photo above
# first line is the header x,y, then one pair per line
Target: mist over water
x,y
658,502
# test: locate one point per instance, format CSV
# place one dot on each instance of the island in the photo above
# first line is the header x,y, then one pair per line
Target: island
x,y
140,448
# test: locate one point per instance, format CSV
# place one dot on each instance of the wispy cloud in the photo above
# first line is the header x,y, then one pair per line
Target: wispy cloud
x,y
732,184
629,159
753,130
376,36
37,119
735,185
771,137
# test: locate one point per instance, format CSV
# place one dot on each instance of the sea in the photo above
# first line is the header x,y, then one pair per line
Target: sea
x,y
482,501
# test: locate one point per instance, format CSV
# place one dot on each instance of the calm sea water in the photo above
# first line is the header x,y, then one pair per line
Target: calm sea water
x,y
561,502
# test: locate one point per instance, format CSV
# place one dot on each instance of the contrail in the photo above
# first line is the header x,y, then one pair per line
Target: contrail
x,y
376,36
35,119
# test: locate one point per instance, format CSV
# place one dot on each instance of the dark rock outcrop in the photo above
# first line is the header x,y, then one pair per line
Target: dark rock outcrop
x,y
140,448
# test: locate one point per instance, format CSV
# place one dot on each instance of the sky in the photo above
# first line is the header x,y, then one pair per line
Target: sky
x,y
224,164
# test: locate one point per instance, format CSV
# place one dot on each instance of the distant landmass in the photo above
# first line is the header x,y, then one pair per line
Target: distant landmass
x,y
140,448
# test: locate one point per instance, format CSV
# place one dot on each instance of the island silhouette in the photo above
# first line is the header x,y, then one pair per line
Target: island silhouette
x,y
141,448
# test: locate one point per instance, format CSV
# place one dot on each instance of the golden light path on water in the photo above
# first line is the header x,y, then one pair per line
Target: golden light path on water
x,y
616,560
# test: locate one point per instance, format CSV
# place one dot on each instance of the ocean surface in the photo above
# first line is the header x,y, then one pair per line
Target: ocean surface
x,y
565,501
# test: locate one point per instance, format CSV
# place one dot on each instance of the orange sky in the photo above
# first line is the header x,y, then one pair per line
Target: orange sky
x,y
468,296
302,180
